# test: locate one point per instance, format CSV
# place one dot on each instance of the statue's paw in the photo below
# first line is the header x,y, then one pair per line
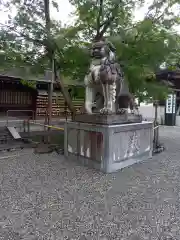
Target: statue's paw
x,y
121,111
103,111
106,111
109,111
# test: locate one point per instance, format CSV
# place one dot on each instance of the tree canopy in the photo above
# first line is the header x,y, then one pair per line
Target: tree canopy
x,y
142,46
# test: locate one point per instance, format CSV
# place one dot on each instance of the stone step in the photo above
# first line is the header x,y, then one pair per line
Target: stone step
x,y
9,139
14,133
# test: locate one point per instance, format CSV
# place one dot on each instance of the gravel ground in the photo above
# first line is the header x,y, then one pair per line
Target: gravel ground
x,y
46,197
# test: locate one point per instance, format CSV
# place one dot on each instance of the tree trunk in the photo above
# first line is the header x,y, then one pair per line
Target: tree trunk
x,y
54,72
50,95
65,95
51,55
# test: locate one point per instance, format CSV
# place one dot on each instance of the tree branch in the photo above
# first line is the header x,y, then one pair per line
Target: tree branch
x,y
107,23
99,16
47,15
20,34
155,17
64,92
48,28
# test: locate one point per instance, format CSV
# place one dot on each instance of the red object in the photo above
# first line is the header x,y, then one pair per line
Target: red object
x,y
96,137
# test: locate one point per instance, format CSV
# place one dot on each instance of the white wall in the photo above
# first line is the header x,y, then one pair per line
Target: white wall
x,y
148,112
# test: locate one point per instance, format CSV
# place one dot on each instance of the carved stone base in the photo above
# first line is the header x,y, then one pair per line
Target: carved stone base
x,y
108,147
108,119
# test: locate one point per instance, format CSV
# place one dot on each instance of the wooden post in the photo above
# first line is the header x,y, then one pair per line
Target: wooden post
x,y
50,95
156,126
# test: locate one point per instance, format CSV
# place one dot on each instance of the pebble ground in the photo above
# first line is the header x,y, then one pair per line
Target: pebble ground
x,y
44,197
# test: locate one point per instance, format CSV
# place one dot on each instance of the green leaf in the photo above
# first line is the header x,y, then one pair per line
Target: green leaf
x,y
140,46
55,5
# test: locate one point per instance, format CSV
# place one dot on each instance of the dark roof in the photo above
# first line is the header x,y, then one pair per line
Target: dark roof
x,y
166,74
17,74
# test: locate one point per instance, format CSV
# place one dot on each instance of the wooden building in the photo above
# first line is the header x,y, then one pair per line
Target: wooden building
x,y
24,97
171,78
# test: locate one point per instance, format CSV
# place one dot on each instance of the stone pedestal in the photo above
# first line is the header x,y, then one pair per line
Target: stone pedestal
x,y
108,147
108,119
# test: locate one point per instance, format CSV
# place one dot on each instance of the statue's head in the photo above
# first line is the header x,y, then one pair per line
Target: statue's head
x,y
99,49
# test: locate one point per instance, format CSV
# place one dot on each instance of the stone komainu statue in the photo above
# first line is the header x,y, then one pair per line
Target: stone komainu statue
x,y
107,91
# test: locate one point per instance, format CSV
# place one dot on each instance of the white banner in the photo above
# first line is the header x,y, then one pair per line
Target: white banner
x,y
174,104
171,104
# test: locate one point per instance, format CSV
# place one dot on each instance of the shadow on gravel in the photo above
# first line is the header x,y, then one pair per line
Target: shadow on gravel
x,y
56,144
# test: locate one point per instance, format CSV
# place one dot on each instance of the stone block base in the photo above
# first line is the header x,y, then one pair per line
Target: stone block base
x,y
108,147
108,119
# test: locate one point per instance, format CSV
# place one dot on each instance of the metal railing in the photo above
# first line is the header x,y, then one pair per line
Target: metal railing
x,y
157,145
45,125
44,138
